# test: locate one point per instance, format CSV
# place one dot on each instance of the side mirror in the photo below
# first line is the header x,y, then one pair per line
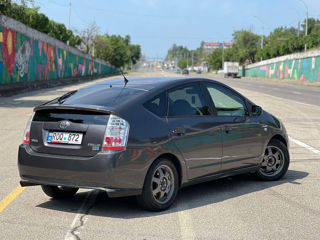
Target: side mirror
x,y
256,110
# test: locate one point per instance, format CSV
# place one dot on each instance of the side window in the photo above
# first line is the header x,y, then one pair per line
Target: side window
x,y
157,105
187,101
226,102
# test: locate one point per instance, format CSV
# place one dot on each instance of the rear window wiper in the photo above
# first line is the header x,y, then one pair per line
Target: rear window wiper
x,y
65,96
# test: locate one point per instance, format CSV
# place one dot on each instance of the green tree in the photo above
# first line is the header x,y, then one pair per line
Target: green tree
x,y
5,6
215,59
182,64
312,23
113,49
31,17
176,53
281,41
117,50
245,45
135,53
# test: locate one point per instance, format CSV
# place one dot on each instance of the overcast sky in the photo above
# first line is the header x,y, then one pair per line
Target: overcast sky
x,y
157,24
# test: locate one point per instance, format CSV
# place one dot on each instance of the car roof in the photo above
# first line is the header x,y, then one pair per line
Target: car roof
x,y
147,83
111,94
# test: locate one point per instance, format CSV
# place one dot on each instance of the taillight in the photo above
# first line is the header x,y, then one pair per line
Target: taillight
x,y
116,135
26,135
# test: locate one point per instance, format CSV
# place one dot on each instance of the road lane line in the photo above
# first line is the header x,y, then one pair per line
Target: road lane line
x,y
81,218
302,144
10,197
185,220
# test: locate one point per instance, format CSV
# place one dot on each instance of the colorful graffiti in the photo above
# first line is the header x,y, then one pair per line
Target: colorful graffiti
x,y
24,59
303,69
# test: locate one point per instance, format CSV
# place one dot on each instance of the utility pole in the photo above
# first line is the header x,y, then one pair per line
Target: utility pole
x,y
69,18
306,30
222,55
187,59
299,28
192,59
69,14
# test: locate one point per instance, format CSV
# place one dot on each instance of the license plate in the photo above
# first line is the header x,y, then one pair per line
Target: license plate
x,y
65,137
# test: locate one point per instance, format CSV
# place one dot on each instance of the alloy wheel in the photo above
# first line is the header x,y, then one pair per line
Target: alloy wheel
x,y
162,186
273,161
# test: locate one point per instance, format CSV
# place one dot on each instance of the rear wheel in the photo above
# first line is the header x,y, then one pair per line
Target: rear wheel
x,y
59,192
160,187
275,162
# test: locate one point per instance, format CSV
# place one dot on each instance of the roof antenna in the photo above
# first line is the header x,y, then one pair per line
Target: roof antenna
x,y
124,77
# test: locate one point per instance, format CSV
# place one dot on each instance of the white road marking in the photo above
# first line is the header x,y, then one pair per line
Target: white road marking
x,y
81,217
185,220
302,144
295,92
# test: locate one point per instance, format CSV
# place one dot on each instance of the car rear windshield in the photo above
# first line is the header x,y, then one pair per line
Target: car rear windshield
x,y
76,116
103,95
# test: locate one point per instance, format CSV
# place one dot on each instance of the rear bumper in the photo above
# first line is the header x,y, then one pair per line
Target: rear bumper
x,y
102,171
112,192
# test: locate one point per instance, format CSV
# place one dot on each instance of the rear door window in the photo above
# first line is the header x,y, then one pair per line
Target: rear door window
x,y
187,101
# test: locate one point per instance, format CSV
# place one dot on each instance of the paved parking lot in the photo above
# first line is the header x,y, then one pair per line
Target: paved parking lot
x,y
233,208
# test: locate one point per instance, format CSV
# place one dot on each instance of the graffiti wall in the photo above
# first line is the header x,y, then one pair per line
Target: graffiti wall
x,y
27,59
301,66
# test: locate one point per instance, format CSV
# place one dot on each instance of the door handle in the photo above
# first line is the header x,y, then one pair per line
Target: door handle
x,y
178,131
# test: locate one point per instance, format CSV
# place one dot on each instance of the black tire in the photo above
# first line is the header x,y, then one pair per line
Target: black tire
x,y
147,200
274,145
59,192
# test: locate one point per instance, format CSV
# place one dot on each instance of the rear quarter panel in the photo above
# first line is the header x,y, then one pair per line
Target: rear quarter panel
x,y
149,138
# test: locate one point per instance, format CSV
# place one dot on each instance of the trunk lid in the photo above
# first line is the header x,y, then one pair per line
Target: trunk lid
x,y
91,123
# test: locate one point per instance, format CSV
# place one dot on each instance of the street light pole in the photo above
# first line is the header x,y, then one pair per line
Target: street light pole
x,y
306,30
261,44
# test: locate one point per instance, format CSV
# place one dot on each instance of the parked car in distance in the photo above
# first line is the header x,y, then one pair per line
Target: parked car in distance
x,y
185,71
198,71
178,71
148,138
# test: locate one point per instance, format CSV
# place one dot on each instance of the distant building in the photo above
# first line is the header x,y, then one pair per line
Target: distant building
x,y
209,47
227,45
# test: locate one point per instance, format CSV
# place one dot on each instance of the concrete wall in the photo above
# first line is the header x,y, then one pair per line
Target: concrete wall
x,y
27,55
298,66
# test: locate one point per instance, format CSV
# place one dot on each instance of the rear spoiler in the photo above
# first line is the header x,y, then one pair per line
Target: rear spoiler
x,y
92,108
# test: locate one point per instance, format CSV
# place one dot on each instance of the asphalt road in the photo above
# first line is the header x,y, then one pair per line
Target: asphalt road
x,y
278,88
233,208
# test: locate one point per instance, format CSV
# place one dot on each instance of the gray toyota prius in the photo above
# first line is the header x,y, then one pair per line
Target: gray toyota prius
x,y
149,137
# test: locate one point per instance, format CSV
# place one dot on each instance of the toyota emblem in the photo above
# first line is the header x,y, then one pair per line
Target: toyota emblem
x,y
64,124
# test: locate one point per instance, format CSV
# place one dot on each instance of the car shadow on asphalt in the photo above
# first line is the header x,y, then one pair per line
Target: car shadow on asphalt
x,y
188,198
